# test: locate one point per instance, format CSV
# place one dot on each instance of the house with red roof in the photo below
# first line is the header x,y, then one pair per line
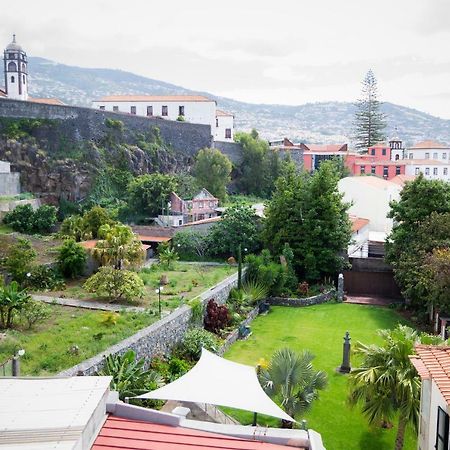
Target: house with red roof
x,y
433,365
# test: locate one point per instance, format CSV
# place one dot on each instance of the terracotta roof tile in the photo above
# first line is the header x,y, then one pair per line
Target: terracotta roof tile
x,y
433,362
427,144
47,101
358,223
219,112
155,98
118,433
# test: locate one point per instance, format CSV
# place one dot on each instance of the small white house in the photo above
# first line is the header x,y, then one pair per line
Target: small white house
x,y
433,365
189,108
359,244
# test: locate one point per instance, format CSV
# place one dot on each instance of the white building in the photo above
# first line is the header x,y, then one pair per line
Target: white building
x,y
370,197
16,73
359,244
433,365
189,108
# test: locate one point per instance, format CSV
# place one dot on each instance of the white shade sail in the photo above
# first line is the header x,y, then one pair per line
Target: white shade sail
x,y
217,381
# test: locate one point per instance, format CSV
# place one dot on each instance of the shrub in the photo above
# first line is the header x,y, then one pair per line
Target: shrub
x,y
191,244
197,312
167,256
303,288
34,312
115,284
109,318
25,220
71,259
20,259
12,301
217,317
176,368
196,339
44,278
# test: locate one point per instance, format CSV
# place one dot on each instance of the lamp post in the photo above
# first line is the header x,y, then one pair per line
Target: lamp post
x,y
239,255
255,415
16,363
158,291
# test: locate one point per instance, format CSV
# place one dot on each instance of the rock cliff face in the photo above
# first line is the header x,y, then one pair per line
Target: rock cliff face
x,y
54,165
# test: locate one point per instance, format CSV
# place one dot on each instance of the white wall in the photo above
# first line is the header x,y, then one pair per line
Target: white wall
x,y
370,200
430,171
359,247
194,112
441,154
223,123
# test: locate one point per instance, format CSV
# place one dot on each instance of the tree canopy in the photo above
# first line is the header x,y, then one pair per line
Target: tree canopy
x,y
212,170
369,120
308,213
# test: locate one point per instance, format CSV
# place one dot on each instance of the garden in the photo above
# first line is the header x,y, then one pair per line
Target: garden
x,y
320,329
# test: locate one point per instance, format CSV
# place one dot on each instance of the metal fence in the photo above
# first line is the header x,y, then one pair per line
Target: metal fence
x,y
6,368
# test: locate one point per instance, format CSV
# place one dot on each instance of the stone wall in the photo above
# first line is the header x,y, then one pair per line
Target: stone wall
x,y
87,124
232,149
300,302
158,338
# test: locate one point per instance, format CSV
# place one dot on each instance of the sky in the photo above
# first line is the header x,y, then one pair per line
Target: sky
x,y
285,51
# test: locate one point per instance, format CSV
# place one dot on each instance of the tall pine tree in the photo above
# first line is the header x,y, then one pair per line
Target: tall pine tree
x,y
369,120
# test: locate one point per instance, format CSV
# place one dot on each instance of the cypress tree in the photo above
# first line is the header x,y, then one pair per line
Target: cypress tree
x,y
369,120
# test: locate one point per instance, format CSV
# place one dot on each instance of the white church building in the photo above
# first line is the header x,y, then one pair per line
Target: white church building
x,y
189,108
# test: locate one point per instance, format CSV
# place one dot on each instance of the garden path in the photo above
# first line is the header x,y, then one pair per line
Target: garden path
x,y
374,301
74,302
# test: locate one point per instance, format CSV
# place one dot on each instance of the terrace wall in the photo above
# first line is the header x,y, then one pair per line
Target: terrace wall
x,y
300,302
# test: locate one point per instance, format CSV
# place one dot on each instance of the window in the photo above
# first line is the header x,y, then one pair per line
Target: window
x,y
444,155
13,80
397,170
217,122
442,430
133,109
102,107
435,170
427,171
200,205
165,111
385,171
372,152
411,156
115,108
181,110
435,156
362,170
23,78
397,157
427,156
11,56
383,152
373,170
12,67
417,171
227,133
149,110
445,171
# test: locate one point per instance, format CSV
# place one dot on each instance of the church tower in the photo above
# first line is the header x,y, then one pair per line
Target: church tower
x,y
16,72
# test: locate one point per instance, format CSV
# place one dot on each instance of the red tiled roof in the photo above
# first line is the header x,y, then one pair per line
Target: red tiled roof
x,y
433,362
219,112
199,222
145,238
325,148
88,245
427,144
155,98
358,223
2,93
47,101
126,434
402,179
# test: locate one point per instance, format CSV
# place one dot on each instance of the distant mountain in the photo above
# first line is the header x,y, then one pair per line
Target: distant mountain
x,y
324,122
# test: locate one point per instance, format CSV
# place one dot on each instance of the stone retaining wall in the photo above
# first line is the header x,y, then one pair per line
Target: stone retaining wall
x,y
158,338
299,302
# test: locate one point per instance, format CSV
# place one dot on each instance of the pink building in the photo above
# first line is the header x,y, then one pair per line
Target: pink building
x,y
202,206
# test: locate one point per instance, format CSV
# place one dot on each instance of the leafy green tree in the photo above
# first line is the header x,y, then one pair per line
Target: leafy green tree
x,y
129,376
437,269
12,300
186,185
74,227
238,227
421,224
369,120
115,284
20,260
44,218
212,170
71,259
148,194
308,213
94,219
291,380
190,243
386,384
118,247
259,165
167,256
26,220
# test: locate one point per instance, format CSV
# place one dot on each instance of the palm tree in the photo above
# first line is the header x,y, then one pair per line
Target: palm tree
x,y
291,380
12,300
129,378
386,384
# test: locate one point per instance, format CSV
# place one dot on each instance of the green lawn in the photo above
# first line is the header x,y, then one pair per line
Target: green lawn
x,y
186,281
321,329
47,347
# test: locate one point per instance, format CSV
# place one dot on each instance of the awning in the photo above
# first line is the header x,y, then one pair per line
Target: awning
x,y
217,381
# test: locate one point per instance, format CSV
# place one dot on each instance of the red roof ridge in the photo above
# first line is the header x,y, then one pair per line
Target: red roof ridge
x,y
154,98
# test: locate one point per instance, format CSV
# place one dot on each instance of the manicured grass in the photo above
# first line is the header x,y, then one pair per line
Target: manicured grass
x,y
47,346
321,329
5,229
186,281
